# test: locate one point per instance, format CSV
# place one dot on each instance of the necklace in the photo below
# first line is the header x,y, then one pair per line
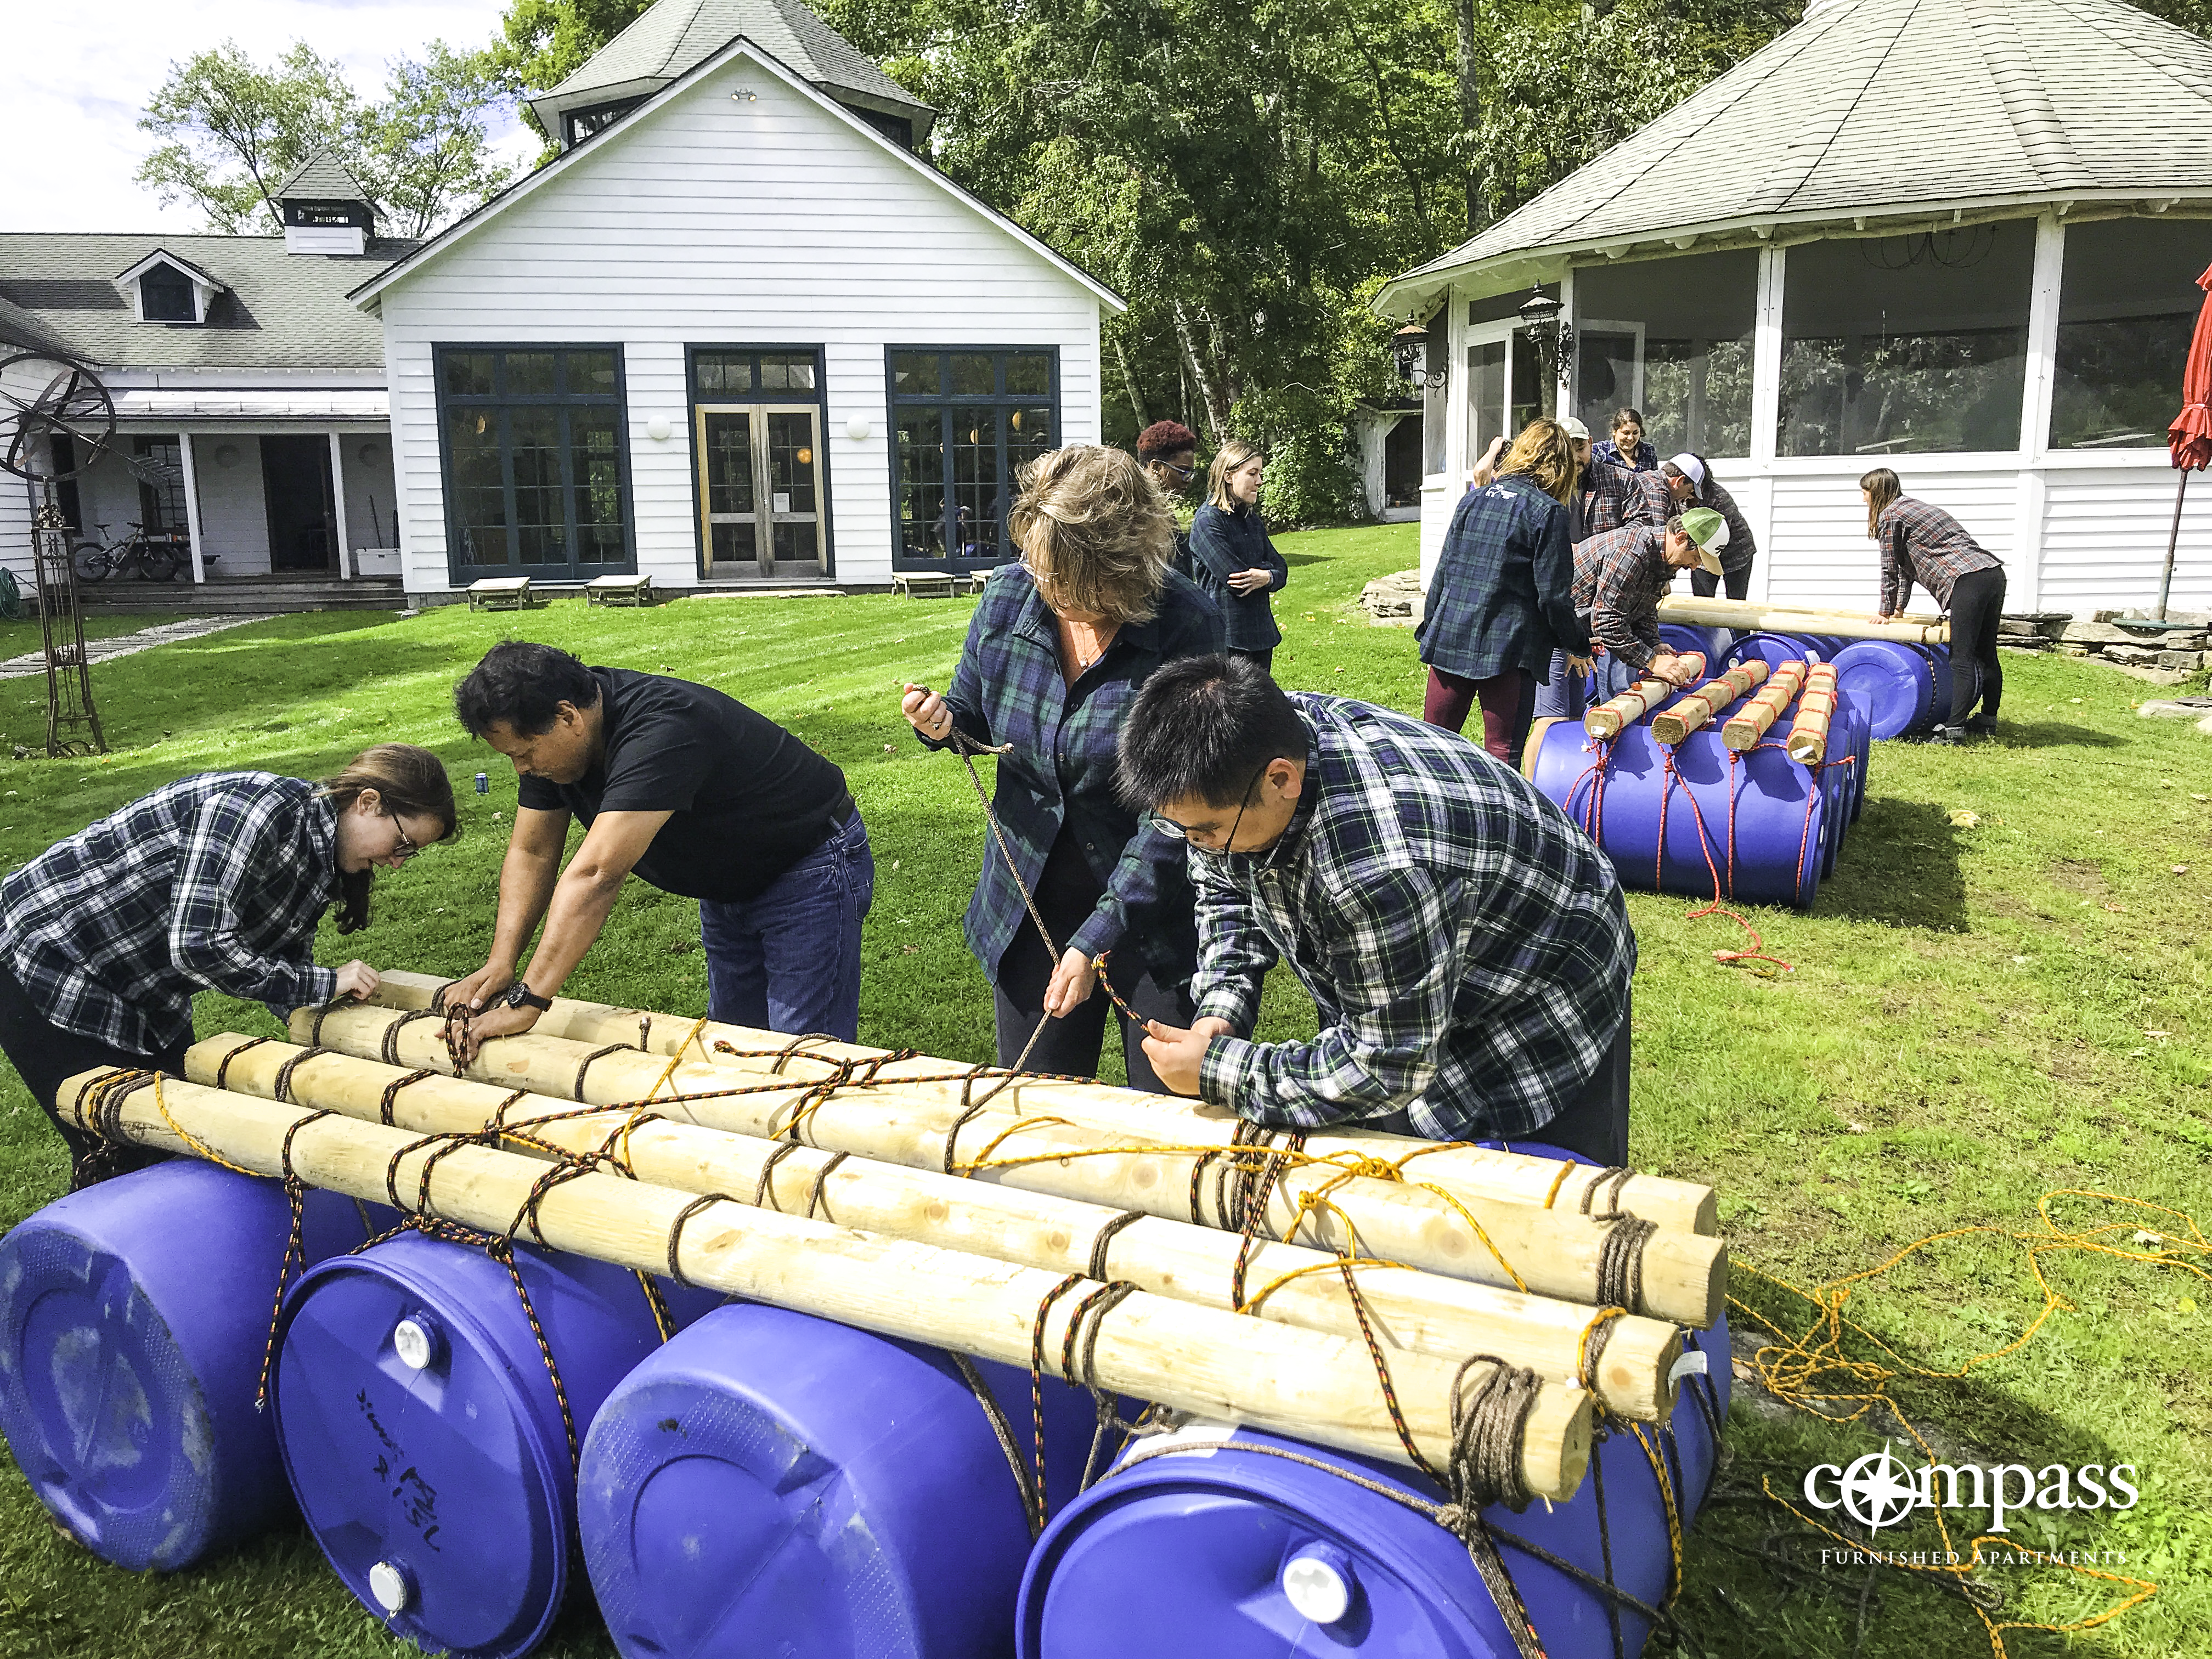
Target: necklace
x,y
1072,650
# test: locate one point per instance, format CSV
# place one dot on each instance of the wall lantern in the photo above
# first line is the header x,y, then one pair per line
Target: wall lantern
x,y
658,429
857,428
1552,335
1415,350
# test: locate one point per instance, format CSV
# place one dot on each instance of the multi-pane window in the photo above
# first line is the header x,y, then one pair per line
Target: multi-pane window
x,y
1672,339
962,424
536,472
160,470
2127,307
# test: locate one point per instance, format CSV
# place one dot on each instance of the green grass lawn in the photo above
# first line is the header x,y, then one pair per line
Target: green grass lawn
x,y
19,639
2003,990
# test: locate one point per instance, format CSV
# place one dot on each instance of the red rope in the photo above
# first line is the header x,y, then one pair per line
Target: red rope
x,y
1758,951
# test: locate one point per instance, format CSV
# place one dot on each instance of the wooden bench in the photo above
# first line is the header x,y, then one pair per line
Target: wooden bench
x,y
501,594
925,583
618,590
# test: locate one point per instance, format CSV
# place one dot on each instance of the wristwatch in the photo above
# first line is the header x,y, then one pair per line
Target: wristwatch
x,y
519,995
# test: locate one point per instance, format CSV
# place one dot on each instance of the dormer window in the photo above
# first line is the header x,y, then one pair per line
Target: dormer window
x,y
164,289
165,295
583,123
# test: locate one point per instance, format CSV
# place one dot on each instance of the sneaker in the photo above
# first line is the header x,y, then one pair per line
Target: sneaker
x,y
1950,735
1982,725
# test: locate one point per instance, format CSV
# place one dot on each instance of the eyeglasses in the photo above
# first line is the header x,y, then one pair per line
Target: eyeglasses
x,y
1175,831
402,848
1182,472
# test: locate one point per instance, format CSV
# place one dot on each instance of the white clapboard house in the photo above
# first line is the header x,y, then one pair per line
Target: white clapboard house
x,y
737,331
248,389
1956,238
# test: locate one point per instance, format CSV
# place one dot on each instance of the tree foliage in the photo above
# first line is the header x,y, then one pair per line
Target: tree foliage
x,y
232,130
542,42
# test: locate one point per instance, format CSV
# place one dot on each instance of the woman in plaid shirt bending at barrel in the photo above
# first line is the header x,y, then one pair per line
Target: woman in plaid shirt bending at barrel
x,y
213,883
1059,646
1925,545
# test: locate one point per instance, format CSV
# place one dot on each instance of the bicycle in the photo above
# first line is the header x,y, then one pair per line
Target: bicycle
x,y
155,556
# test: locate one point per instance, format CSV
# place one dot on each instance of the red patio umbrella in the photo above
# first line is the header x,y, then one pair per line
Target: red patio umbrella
x,y
2190,438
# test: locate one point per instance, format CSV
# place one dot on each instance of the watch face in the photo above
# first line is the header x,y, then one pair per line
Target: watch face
x,y
516,993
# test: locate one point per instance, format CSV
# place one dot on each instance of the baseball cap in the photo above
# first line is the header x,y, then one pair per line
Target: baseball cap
x,y
1576,429
1709,532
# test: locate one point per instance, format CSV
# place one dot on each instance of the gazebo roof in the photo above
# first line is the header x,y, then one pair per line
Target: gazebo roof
x,y
673,36
1874,109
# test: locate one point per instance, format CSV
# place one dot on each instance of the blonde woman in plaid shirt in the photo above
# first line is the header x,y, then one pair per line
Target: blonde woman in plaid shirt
x,y
1923,543
212,882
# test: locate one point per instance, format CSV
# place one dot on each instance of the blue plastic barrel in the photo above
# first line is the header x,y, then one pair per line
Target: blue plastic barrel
x,y
1895,684
1780,815
1234,1553
133,1319
1774,648
770,1483
423,1437
1710,642
1939,661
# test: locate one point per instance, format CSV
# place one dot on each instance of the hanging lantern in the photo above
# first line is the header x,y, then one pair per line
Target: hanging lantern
x,y
1017,420
804,458
1552,335
975,435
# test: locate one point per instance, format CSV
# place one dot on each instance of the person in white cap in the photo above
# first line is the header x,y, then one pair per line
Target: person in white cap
x,y
1619,579
1690,480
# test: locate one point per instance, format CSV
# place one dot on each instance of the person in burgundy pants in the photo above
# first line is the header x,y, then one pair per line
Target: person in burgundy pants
x,y
1502,599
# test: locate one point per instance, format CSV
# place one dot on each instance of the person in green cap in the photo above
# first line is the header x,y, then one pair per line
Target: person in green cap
x,y
1620,576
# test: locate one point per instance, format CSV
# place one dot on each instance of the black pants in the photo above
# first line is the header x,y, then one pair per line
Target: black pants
x,y
1066,894
1977,671
44,1056
1704,585
1265,659
1592,1120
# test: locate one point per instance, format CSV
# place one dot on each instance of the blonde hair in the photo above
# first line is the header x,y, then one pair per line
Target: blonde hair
x,y
1095,533
1233,453
1882,487
1543,454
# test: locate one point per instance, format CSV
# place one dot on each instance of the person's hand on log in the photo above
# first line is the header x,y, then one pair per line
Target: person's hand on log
x,y
477,990
925,712
1072,982
1671,669
1178,1056
1255,580
497,1021
359,981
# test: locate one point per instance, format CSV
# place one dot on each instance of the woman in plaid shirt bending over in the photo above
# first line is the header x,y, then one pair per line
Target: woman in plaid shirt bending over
x,y
1059,646
213,883
1925,545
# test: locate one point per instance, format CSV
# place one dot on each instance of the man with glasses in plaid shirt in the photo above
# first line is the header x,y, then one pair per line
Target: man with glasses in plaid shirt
x,y
1465,945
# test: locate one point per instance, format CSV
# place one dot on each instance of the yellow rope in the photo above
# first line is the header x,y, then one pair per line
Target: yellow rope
x,y
1333,1266
1598,1317
198,1146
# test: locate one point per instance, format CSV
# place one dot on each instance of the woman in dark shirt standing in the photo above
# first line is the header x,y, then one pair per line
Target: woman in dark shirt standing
x,y
1501,604
1923,543
1059,646
1238,565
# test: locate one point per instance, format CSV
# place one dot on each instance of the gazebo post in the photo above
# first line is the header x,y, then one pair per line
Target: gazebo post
x,y
1766,405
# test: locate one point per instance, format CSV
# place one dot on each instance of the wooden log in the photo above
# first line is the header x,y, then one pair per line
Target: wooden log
x,y
1610,717
1693,711
1749,724
1464,1171
1807,743
1420,1313
1293,1381
1550,1254
1780,619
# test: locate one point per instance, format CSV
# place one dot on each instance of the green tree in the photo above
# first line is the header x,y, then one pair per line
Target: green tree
x,y
233,130
542,42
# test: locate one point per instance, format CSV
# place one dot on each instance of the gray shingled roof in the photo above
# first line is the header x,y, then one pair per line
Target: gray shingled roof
x,y
675,35
21,331
280,310
321,178
1875,106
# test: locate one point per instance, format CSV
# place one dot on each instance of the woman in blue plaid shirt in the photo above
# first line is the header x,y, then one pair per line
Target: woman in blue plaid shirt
x,y
214,882
1058,648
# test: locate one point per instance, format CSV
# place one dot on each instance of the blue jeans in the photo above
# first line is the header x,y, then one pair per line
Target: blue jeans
x,y
1562,696
789,960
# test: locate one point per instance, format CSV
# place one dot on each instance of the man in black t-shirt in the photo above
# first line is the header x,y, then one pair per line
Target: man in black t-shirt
x,y
691,791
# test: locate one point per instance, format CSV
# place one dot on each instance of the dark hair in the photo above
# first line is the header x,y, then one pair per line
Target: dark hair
x,y
522,686
410,782
1163,438
1202,729
1621,417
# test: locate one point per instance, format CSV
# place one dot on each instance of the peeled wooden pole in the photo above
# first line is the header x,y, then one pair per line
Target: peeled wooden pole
x,y
1465,1171
1683,1275
1610,717
1420,1313
1693,711
1744,728
1807,743
1291,1381
1781,619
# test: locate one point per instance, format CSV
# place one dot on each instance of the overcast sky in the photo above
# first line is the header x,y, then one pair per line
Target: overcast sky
x,y
74,79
